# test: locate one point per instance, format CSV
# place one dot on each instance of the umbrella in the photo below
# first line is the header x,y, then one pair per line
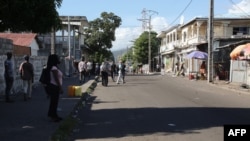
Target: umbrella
x,y
246,50
237,51
240,51
197,55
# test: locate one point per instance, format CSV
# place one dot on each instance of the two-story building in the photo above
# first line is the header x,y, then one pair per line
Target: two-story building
x,y
180,40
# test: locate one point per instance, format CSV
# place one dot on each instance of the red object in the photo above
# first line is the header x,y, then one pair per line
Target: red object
x,y
191,76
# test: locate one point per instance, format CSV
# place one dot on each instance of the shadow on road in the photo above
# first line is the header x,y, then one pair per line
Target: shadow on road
x,y
106,123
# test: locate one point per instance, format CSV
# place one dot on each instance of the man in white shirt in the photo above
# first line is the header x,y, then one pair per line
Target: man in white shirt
x,y
82,66
89,68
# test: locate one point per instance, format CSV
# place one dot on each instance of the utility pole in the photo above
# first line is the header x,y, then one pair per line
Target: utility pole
x,y
145,20
210,43
127,54
69,38
52,48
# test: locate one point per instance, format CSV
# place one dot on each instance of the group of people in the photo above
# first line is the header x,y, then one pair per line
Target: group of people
x,y
84,68
179,69
26,70
54,88
113,69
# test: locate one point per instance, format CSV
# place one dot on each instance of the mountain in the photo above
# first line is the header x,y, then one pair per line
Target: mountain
x,y
118,53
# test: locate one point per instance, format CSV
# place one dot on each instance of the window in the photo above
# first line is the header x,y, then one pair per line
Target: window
x,y
184,36
240,31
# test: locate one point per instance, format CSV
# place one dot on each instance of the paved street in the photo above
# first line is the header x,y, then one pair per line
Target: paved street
x,y
160,108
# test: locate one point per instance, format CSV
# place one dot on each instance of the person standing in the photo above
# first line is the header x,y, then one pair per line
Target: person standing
x,y
123,70
26,70
182,69
89,69
176,69
8,76
97,69
82,70
120,74
113,71
203,70
162,69
55,86
104,72
157,68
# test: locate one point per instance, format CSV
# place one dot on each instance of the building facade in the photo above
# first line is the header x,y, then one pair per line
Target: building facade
x,y
180,40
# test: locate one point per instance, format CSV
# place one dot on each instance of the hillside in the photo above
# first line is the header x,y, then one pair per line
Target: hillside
x,y
119,53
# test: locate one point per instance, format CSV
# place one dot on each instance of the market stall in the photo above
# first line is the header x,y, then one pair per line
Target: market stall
x,y
198,55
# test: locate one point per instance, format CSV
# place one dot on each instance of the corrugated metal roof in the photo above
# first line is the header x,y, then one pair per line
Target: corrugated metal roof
x,y
20,39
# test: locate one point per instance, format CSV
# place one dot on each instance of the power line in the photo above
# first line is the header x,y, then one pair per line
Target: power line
x,y
181,13
234,4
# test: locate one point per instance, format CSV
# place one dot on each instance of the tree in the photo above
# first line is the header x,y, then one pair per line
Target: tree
x,y
38,16
100,34
141,47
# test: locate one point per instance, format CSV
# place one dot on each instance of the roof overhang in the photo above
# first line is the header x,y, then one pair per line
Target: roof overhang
x,y
234,44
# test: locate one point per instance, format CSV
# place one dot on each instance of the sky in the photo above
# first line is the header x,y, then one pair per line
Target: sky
x,y
164,13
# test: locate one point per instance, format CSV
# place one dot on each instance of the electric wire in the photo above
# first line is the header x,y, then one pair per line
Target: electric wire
x,y
181,13
234,4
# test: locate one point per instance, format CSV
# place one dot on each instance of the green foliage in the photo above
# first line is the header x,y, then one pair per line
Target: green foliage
x,y
141,47
128,55
64,129
38,16
101,55
100,34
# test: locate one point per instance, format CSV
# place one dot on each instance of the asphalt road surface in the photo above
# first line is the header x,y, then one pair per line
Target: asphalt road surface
x,y
160,108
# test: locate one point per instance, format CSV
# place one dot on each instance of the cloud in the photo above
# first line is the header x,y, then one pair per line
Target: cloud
x,y
241,8
159,23
124,35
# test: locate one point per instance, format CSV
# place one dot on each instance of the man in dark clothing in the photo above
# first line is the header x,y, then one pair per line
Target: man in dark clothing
x,y
123,70
113,71
8,76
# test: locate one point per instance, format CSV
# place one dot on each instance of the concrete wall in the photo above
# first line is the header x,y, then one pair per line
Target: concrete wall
x,y
238,71
6,45
37,61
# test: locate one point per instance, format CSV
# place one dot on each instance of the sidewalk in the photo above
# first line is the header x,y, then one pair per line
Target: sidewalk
x,y
233,86
28,121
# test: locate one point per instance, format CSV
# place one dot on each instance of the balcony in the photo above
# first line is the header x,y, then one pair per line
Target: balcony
x,y
170,46
194,40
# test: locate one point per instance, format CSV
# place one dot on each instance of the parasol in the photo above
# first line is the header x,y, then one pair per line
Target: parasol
x,y
197,55
246,50
240,51
236,52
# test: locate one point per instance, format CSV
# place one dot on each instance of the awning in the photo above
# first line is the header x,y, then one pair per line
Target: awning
x,y
234,44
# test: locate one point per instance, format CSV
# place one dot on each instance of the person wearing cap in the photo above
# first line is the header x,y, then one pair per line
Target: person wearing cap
x,y
26,70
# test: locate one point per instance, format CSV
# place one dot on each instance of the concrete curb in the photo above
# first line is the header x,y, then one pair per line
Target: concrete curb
x,y
68,124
